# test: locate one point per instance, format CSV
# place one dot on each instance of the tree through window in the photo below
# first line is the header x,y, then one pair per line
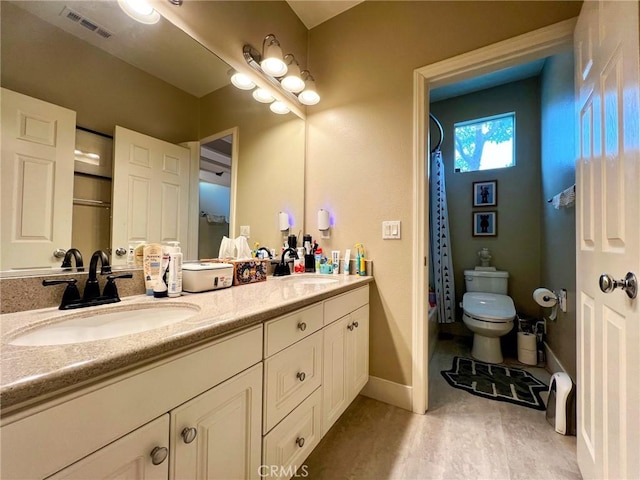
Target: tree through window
x,y
486,143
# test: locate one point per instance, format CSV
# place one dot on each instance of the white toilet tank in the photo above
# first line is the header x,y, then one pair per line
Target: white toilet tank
x,y
486,281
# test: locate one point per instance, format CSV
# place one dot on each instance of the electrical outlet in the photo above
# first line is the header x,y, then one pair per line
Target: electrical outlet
x,y
391,230
245,231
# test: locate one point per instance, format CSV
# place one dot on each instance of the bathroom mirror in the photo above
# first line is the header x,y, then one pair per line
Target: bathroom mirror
x,y
165,85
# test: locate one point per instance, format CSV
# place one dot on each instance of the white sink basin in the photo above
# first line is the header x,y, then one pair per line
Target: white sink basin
x,y
311,279
88,326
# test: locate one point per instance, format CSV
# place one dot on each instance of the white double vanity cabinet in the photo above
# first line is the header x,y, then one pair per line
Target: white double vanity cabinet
x,y
248,404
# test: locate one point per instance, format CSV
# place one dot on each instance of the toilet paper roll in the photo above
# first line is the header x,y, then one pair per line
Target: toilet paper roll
x,y
526,341
545,297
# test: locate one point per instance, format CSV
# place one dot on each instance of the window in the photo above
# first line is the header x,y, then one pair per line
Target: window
x,y
485,143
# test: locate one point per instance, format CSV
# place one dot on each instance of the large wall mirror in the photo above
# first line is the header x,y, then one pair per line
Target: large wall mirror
x,y
89,57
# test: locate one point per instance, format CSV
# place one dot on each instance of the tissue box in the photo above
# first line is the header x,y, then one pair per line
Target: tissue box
x,y
249,271
246,271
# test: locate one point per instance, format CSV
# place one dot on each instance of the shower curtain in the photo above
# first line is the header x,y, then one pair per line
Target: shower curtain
x,y
440,242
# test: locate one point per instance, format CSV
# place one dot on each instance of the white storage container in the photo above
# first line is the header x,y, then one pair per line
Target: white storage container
x,y
202,277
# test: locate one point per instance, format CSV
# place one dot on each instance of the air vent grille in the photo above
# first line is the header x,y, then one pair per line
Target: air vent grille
x,y
85,22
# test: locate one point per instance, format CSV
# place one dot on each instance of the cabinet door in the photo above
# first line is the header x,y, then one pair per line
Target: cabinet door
x,y
128,457
358,352
227,422
334,375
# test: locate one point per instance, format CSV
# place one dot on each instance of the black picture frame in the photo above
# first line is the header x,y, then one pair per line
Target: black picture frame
x,y
485,194
484,223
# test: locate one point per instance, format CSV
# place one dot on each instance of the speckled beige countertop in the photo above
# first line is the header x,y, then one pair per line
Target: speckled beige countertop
x,y
30,374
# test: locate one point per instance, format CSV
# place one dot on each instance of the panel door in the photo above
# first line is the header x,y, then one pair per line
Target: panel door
x,y
128,457
227,422
335,389
150,191
38,140
608,238
358,354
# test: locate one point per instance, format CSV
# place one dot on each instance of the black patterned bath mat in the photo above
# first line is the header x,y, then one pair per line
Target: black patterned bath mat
x,y
496,382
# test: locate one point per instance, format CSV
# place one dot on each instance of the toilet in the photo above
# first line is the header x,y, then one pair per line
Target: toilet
x,y
487,311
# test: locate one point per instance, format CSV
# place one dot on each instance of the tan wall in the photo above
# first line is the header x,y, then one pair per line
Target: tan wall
x,y
270,162
359,141
558,232
516,248
45,62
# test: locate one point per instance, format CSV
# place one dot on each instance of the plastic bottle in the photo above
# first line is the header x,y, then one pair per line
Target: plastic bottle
x,y
318,257
174,276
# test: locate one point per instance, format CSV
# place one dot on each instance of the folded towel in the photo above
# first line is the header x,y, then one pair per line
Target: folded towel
x,y
565,198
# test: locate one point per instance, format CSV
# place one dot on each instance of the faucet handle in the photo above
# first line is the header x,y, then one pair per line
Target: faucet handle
x,y
71,293
110,289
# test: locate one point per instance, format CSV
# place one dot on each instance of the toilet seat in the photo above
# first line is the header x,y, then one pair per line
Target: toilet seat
x,y
488,307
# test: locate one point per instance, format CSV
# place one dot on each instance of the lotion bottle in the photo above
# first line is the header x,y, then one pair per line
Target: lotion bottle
x,y
174,274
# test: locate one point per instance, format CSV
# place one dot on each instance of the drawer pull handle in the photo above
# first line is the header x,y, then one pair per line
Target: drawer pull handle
x,y
300,442
350,327
189,434
301,376
159,455
302,326
355,324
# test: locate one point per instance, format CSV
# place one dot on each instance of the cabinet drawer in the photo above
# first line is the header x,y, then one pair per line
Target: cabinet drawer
x,y
289,377
344,304
288,445
286,330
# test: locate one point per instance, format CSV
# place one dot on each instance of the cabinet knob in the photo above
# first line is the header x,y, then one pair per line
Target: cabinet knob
x,y
301,376
159,455
300,441
189,434
355,324
302,326
350,326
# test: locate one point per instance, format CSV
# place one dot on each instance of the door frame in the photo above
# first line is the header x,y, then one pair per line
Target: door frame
x,y
544,42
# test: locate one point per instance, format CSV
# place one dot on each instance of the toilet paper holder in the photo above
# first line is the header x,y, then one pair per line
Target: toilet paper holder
x,y
548,298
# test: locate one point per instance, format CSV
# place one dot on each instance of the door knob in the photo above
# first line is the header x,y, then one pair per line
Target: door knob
x,y
59,252
629,284
121,251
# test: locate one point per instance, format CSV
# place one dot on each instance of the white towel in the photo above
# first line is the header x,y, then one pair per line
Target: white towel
x,y
565,198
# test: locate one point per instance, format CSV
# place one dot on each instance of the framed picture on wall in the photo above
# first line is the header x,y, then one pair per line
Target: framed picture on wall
x,y
485,194
485,224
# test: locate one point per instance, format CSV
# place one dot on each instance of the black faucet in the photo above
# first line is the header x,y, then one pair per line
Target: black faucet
x,y
92,288
75,253
282,268
266,250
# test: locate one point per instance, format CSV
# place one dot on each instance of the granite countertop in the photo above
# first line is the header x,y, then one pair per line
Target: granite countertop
x,y
29,374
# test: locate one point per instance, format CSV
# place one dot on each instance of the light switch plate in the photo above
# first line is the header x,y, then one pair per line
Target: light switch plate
x,y
391,230
245,230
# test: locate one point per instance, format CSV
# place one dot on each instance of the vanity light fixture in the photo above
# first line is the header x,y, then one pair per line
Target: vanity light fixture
x,y
140,10
293,86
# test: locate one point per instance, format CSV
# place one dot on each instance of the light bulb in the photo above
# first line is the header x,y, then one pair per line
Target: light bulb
x,y
140,10
309,96
279,107
272,63
242,81
292,82
262,95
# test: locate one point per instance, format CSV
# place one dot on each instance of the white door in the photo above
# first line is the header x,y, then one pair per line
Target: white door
x,y
217,435
140,455
38,139
608,238
335,388
150,191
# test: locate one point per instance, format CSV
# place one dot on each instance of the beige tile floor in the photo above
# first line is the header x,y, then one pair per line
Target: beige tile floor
x,y
461,437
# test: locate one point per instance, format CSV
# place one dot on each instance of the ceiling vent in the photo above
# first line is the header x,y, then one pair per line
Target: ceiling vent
x,y
85,22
